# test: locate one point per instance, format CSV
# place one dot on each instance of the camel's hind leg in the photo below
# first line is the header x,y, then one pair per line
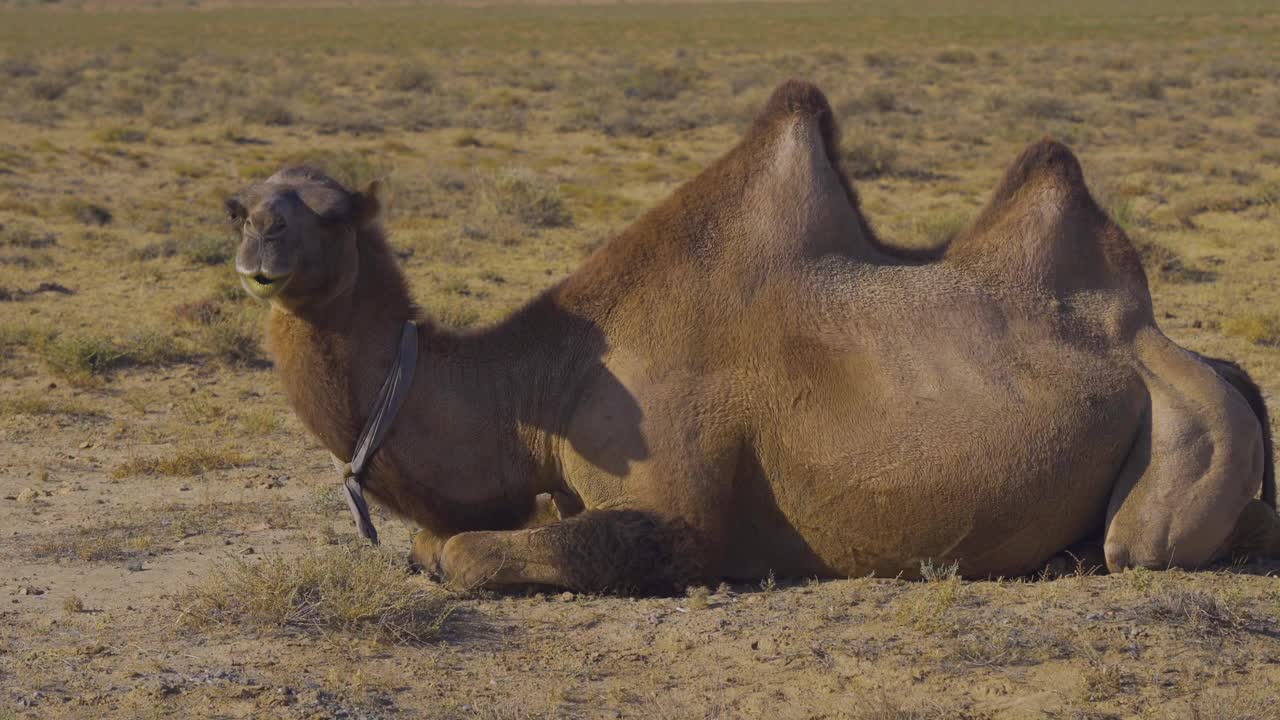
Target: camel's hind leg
x,y
1193,471
596,551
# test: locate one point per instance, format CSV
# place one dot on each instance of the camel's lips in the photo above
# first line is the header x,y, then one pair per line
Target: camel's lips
x,y
263,286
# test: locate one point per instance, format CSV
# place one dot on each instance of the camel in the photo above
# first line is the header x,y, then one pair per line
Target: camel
x,y
748,381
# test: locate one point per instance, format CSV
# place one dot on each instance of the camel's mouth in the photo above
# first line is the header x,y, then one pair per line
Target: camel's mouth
x,y
263,286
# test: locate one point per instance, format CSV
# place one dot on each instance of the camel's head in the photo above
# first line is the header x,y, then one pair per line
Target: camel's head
x,y
298,233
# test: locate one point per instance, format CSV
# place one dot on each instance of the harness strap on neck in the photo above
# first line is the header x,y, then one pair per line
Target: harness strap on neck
x,y
394,389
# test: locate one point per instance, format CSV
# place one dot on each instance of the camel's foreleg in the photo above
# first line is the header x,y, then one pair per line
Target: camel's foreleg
x,y
547,509
597,551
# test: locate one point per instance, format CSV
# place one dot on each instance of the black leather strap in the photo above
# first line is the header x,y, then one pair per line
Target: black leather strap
x,y
385,408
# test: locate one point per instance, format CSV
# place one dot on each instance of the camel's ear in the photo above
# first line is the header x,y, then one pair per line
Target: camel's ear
x,y
366,204
236,211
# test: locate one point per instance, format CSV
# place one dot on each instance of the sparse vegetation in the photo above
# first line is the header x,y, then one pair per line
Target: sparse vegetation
x,y
529,198
1204,612
82,357
937,230
1147,88
344,588
73,605
1103,680
411,77
1165,264
24,235
657,83
85,358
1257,328
113,542
956,57
120,134
1047,107
871,158
190,462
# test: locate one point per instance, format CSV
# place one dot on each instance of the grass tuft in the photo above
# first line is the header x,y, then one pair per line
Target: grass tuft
x,y
1103,681
351,589
1257,328
529,198
1205,612
871,158
120,134
208,250
1047,107
410,77
1164,263
22,235
654,83
1147,88
956,57
938,230
182,463
80,358
231,337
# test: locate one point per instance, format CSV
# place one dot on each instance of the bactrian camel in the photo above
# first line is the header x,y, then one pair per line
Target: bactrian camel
x,y
746,380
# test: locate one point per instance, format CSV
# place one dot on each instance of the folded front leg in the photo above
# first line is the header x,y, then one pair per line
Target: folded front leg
x,y
624,551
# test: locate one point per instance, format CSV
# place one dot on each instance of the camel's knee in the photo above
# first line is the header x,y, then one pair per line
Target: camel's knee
x,y
424,552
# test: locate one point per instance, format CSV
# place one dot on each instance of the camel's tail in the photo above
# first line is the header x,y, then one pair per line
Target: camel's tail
x,y
1245,385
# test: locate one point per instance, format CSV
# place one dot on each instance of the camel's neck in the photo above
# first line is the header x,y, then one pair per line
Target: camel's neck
x,y
331,354
469,445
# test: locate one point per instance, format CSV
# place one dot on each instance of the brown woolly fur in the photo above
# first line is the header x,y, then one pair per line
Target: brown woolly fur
x,y
726,389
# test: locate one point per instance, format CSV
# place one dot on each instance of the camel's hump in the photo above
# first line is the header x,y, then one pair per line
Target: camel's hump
x,y
798,100
1046,162
795,97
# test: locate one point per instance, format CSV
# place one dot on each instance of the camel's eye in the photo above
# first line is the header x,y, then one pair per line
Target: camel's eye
x,y
235,210
275,228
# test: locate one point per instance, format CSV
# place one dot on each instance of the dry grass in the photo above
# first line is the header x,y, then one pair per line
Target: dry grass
x,y
351,589
1164,264
182,463
1257,328
1103,680
43,404
870,158
529,198
1204,612
86,359
927,605
112,542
